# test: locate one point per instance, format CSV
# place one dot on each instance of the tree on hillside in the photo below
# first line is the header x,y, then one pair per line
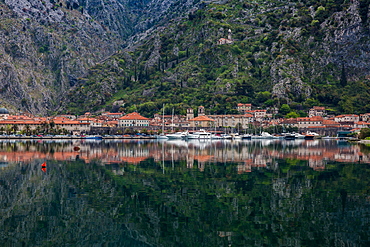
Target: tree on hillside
x,y
244,89
291,114
285,109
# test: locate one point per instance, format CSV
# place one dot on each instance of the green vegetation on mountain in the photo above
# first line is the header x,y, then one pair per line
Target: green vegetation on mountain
x,y
286,52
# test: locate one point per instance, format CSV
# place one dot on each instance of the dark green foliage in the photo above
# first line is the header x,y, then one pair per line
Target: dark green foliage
x,y
284,109
244,88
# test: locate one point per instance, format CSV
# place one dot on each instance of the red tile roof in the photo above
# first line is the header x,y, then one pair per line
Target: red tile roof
x,y
133,116
18,118
347,115
113,113
362,123
319,108
202,118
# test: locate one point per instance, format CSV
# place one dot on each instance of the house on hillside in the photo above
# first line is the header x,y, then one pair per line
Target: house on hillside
x,y
243,108
317,111
259,115
224,41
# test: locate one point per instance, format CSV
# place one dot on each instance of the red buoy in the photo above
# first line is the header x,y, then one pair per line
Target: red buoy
x,y
43,167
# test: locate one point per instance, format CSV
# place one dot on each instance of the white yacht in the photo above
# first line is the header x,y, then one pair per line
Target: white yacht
x,y
178,135
299,136
311,135
201,134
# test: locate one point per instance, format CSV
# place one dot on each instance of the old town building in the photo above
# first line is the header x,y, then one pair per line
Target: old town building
x,y
133,119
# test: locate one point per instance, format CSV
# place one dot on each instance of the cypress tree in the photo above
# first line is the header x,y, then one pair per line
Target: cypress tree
x,y
343,77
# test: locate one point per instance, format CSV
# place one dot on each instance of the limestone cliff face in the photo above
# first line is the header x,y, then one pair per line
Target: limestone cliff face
x,y
45,46
342,43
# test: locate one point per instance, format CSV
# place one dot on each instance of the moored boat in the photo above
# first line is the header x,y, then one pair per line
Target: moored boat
x,y
246,137
311,135
93,137
289,136
178,135
299,136
201,134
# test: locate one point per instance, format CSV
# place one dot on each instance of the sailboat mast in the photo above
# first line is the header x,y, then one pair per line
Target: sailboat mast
x,y
172,120
163,120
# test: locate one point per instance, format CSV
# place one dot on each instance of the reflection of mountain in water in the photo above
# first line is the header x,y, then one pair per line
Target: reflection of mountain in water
x,y
51,209
167,204
252,153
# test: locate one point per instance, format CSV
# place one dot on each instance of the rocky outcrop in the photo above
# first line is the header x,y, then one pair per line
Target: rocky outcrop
x,y
43,49
339,42
45,46
286,73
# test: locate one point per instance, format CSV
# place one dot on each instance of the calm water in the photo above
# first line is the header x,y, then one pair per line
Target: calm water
x,y
177,193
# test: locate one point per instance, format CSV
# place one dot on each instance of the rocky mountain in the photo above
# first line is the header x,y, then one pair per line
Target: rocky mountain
x,y
75,56
265,53
46,45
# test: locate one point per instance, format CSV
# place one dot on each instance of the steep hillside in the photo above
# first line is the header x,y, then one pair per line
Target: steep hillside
x,y
304,54
43,48
46,45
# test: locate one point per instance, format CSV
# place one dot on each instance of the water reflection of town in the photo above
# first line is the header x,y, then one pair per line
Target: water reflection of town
x,y
248,154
